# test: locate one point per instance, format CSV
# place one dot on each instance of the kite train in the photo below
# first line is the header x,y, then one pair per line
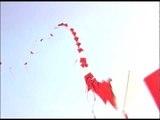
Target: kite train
x,y
102,89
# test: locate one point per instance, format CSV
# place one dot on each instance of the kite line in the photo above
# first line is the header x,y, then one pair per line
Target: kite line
x,y
125,97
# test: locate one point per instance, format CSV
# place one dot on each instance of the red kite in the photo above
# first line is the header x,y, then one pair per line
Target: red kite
x,y
76,38
83,62
78,44
25,63
31,52
102,89
62,24
153,83
80,50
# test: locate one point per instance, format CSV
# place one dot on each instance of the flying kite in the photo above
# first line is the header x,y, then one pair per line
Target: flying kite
x,y
25,63
51,34
102,89
41,40
31,52
152,82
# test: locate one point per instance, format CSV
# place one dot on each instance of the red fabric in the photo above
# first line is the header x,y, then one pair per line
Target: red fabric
x,y
71,29
153,83
66,25
63,24
78,44
125,115
25,63
31,52
80,50
102,89
83,62
74,33
89,80
76,38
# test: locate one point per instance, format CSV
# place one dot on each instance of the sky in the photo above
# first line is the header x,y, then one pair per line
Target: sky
x,y
117,37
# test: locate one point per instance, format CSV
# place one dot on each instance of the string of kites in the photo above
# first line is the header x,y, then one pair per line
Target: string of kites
x,y
103,89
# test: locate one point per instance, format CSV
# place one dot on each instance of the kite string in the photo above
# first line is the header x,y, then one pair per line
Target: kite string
x,y
125,97
93,111
93,106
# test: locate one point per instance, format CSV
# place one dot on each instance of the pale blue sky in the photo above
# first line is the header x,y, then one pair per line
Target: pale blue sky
x,y
116,36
